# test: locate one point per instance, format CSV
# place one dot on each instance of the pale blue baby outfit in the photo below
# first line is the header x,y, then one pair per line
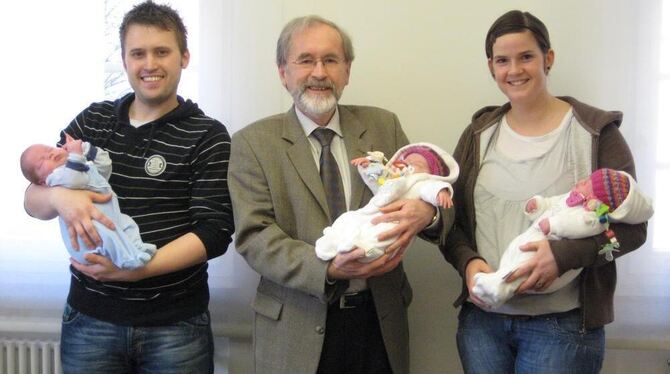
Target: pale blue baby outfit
x,y
123,246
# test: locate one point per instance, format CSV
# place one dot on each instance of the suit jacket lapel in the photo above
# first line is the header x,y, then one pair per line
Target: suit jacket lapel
x,y
300,153
357,145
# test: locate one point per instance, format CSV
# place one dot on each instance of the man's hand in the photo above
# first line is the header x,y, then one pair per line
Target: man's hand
x,y
347,265
411,215
541,270
76,209
103,269
476,266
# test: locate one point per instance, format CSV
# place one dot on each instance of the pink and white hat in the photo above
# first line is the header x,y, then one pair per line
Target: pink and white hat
x,y
440,162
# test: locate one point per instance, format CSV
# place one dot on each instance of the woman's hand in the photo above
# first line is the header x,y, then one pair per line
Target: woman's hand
x,y
541,269
476,266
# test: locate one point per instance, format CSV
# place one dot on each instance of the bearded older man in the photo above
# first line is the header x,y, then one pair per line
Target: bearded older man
x,y
289,180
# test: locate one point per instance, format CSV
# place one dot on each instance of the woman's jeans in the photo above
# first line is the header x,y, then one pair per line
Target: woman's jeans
x,y
550,343
89,346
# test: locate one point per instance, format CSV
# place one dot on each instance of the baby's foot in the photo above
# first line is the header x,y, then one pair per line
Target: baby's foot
x,y
489,288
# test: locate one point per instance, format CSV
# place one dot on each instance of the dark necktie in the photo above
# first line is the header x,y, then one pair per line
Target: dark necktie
x,y
330,174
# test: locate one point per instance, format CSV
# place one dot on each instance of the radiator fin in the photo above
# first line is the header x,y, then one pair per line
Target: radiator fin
x,y
29,357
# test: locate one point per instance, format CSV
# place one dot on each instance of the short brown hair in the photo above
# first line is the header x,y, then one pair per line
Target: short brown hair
x,y
151,14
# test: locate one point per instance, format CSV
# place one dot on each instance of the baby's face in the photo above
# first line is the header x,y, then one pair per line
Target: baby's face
x,y
584,187
418,162
45,159
580,193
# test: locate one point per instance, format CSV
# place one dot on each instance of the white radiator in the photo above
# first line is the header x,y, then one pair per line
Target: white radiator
x,y
29,357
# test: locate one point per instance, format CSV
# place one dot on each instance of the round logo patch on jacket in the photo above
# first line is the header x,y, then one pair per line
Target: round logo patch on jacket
x,y
155,165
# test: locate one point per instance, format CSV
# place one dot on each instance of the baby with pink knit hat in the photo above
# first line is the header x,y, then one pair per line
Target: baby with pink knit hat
x,y
418,170
606,196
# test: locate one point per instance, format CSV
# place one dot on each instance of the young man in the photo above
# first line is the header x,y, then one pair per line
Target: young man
x,y
170,170
338,316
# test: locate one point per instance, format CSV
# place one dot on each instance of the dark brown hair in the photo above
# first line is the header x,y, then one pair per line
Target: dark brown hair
x,y
517,21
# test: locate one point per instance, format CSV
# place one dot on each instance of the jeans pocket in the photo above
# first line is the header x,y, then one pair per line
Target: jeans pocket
x,y
570,325
69,314
200,320
466,309
566,324
584,348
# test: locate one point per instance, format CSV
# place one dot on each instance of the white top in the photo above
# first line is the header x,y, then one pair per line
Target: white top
x,y
520,147
511,173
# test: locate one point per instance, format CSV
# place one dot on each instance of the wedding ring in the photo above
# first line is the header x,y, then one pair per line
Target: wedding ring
x,y
539,285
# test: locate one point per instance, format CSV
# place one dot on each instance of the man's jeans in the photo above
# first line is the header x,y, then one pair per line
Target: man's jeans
x,y
89,346
551,343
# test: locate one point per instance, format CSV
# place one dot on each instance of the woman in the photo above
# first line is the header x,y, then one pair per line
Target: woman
x,y
536,144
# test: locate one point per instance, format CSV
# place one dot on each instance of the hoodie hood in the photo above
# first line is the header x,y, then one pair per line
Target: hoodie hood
x,y
636,207
591,118
185,109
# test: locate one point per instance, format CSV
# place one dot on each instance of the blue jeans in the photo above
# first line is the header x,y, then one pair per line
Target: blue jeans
x,y
550,343
89,346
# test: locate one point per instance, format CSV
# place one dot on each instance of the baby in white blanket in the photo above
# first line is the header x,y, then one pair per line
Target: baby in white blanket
x,y
605,196
418,170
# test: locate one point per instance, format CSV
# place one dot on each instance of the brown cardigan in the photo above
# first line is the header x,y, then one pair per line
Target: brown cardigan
x,y
598,280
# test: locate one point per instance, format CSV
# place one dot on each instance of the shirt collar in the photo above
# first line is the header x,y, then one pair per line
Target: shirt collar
x,y
308,125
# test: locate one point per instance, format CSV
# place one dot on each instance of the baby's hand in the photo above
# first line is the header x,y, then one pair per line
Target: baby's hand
x,y
544,226
72,145
531,205
376,156
361,161
444,199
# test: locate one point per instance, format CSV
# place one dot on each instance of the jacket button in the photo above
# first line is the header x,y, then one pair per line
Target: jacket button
x,y
320,330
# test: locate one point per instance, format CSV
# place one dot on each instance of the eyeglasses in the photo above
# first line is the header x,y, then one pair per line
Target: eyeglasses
x,y
309,63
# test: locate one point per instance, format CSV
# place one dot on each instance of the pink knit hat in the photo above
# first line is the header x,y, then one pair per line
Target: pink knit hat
x,y
435,162
610,186
442,165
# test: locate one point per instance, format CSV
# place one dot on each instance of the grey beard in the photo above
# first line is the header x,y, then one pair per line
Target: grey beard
x,y
316,105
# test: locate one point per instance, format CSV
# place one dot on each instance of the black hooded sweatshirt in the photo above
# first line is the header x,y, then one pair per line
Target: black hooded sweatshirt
x,y
170,176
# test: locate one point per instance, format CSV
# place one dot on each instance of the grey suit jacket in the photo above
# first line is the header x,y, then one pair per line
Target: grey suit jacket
x,y
280,210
